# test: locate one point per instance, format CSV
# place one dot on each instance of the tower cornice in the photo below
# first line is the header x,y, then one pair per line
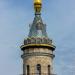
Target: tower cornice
x,y
51,47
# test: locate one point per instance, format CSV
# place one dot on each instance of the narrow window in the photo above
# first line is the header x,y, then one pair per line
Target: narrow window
x,y
23,68
28,70
48,69
38,69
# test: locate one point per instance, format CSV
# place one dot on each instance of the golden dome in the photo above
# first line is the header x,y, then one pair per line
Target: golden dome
x,y
37,6
37,1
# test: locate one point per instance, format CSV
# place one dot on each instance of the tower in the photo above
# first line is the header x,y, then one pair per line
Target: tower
x,y
38,47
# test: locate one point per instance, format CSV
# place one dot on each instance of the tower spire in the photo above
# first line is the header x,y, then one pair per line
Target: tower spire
x,y
38,28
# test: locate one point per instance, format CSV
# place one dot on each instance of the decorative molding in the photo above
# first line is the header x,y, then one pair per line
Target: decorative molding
x,y
37,54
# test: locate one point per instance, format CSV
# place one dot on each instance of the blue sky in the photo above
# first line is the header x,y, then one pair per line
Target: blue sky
x,y
15,17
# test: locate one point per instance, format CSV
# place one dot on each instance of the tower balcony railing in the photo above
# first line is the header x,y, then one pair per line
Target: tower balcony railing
x,y
38,41
38,74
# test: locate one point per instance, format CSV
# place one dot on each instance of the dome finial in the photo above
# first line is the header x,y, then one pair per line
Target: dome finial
x,y
37,6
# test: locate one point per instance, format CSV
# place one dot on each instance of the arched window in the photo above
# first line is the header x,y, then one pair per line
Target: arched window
x,y
48,69
23,68
38,69
28,70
